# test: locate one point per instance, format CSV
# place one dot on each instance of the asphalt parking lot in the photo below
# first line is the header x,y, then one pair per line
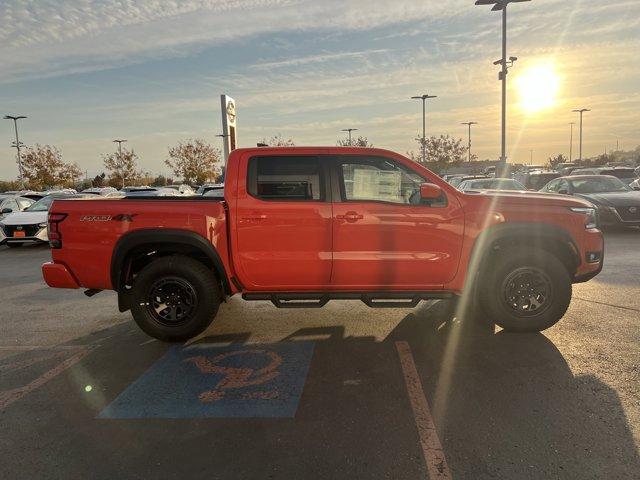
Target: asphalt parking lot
x,y
338,392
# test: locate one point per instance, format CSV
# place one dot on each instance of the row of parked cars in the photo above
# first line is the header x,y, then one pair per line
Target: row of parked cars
x,y
23,214
614,191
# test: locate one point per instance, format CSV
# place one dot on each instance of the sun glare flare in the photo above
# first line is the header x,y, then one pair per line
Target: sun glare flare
x,y
538,88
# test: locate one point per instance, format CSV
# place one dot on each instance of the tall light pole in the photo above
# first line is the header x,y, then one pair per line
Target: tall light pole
x,y
571,143
17,144
424,99
581,111
531,157
501,5
349,130
120,142
469,144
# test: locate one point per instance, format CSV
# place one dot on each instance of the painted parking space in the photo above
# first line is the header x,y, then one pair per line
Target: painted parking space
x,y
205,381
28,368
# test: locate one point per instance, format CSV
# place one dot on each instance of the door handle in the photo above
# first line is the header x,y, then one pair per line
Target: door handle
x,y
350,217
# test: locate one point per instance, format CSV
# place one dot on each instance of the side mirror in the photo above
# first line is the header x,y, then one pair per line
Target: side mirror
x,y
430,191
563,191
6,210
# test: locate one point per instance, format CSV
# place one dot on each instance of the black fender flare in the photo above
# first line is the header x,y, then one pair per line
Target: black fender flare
x,y
532,232
149,236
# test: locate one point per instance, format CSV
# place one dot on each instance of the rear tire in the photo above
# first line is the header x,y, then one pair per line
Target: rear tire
x,y
175,298
525,291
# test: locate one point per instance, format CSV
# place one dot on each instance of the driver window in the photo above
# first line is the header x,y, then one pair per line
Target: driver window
x,y
553,186
563,185
12,204
382,180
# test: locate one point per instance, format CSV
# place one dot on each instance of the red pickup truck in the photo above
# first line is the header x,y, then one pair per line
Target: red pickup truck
x,y
302,226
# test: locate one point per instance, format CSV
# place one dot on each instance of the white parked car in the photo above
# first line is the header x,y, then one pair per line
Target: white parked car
x,y
182,189
30,225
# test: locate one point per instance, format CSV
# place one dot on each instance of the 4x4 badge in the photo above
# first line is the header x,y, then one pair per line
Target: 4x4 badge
x,y
123,217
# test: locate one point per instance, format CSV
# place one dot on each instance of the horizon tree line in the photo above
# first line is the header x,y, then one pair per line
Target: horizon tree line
x,y
195,161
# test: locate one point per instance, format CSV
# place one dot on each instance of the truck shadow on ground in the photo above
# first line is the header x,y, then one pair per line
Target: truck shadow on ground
x,y
506,406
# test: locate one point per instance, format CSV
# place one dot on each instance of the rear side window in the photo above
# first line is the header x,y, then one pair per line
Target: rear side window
x,y
286,178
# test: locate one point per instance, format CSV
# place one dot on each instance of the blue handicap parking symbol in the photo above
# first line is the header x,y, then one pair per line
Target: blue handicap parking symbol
x,y
263,380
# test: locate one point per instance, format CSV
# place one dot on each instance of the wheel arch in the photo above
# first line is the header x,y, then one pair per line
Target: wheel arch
x,y
551,238
136,249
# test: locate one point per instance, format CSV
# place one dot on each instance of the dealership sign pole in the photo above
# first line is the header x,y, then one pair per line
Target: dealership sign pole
x,y
228,107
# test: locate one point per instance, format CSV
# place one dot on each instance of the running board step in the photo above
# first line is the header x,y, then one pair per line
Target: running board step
x,y
371,299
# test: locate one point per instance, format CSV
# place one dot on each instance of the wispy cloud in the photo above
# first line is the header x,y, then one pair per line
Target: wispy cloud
x,y
307,68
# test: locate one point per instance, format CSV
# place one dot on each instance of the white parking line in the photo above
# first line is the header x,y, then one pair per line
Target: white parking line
x,y
434,458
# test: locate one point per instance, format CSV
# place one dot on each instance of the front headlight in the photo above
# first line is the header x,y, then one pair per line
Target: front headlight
x,y
591,220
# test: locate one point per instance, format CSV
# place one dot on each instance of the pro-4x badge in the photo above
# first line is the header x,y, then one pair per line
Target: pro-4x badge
x,y
95,218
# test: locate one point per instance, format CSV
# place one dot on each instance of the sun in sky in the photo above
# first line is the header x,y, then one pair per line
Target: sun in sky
x,y
538,87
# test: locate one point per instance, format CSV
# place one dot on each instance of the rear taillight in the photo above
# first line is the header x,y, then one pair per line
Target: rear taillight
x,y
53,229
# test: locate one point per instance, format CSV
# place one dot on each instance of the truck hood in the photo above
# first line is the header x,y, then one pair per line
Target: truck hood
x,y
25,218
614,199
532,198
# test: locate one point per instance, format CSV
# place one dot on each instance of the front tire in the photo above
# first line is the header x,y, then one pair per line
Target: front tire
x,y
175,298
525,291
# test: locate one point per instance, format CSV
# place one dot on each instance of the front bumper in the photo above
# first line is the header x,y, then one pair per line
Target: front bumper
x,y
57,275
33,234
611,217
592,243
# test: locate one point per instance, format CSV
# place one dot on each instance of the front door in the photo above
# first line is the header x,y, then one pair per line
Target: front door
x,y
283,225
386,237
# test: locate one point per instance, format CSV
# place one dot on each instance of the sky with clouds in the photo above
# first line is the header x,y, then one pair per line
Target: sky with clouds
x,y
89,71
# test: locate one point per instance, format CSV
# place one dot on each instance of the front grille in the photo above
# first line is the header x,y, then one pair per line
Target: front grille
x,y
629,214
29,230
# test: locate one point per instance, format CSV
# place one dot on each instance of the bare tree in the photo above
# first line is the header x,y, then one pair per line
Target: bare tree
x,y
558,159
356,142
441,150
195,161
122,168
278,141
43,168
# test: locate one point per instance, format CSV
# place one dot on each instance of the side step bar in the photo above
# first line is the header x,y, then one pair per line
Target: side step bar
x,y
371,299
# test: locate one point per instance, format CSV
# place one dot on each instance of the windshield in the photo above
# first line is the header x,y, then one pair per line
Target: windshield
x,y
619,173
41,205
495,184
599,185
44,204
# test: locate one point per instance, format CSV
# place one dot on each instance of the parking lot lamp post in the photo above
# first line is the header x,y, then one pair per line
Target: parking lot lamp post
x,y
349,130
581,111
223,136
17,144
469,144
120,142
501,5
571,143
424,99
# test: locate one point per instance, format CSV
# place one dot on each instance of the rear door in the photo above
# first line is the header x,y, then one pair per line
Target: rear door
x,y
283,224
385,236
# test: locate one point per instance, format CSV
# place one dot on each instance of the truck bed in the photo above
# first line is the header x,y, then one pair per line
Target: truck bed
x,y
93,227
